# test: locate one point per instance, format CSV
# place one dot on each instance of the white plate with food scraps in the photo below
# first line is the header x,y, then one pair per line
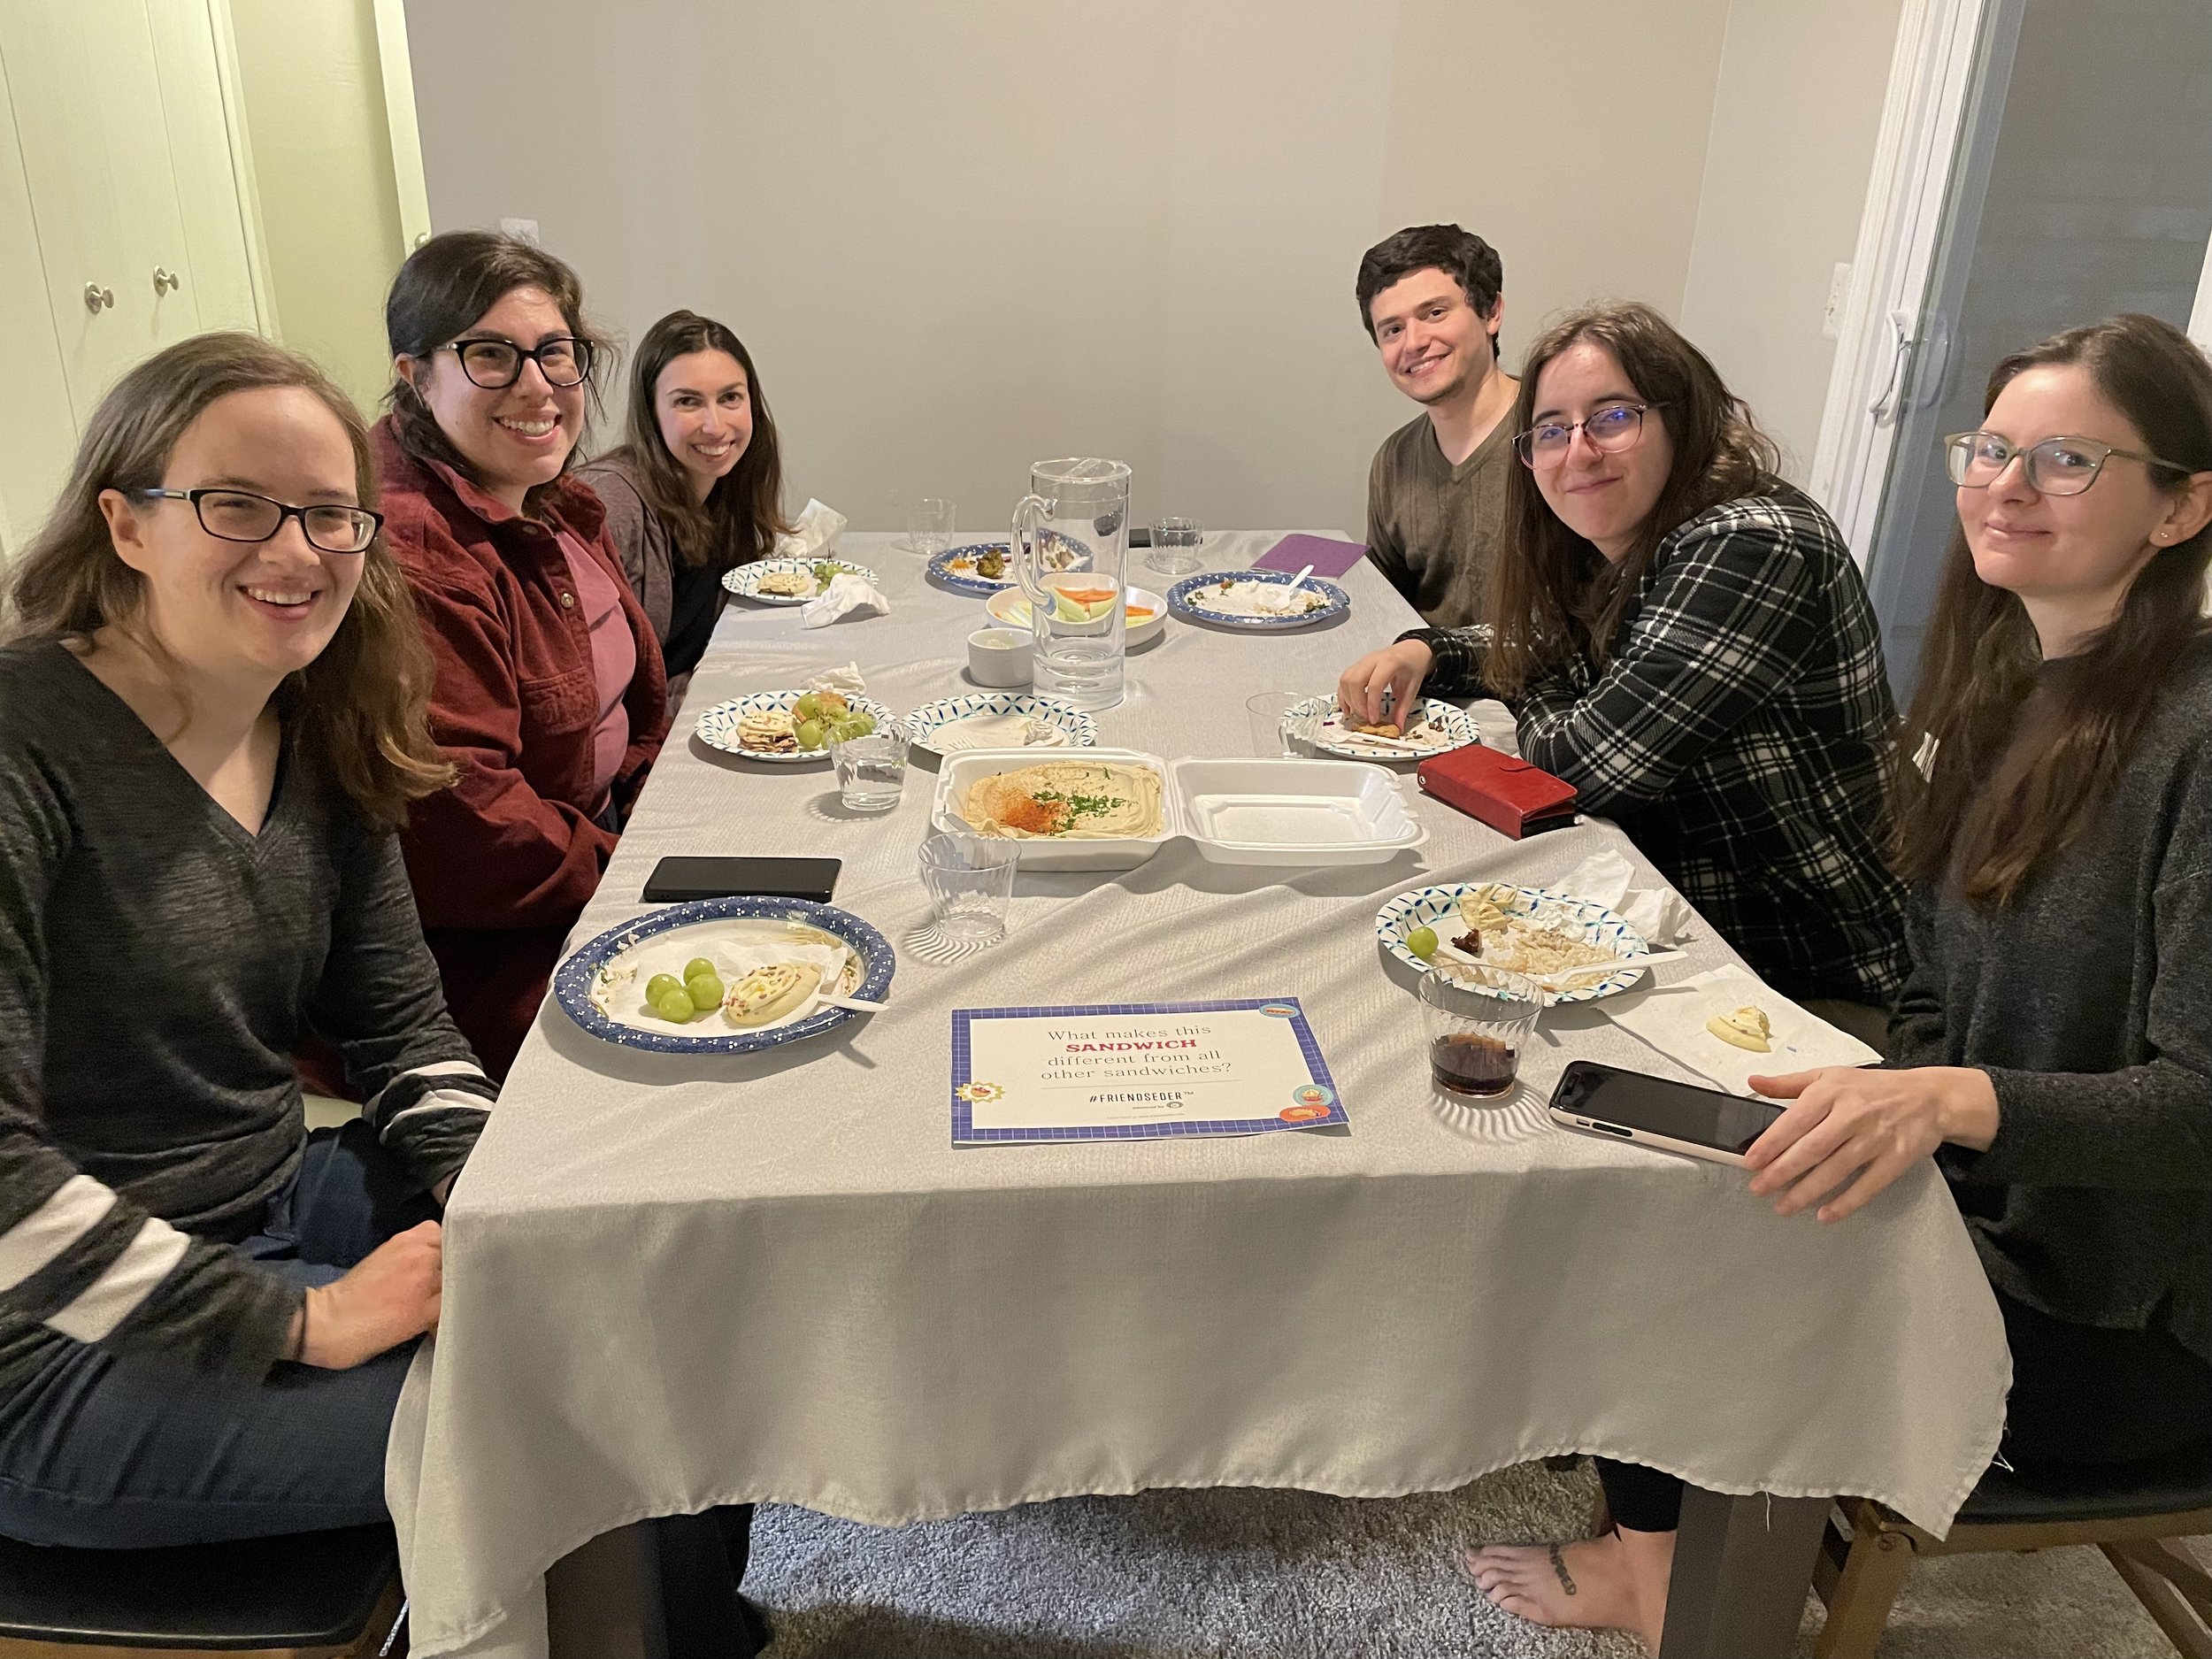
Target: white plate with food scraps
x,y
1113,809
1533,929
1233,599
723,725
1438,728
1000,719
1145,618
602,985
791,582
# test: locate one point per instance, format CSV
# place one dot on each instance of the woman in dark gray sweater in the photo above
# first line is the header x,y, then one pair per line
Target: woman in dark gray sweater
x,y
210,720
2053,1048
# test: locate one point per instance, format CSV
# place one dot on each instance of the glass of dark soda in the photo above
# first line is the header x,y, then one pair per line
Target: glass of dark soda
x,y
1478,1018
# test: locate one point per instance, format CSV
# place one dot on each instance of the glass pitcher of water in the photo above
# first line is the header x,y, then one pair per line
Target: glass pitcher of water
x,y
1070,540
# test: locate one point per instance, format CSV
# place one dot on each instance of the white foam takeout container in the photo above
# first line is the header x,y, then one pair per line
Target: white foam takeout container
x,y
1237,811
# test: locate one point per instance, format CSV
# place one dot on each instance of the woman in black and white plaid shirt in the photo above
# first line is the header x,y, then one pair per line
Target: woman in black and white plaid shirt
x,y
1684,637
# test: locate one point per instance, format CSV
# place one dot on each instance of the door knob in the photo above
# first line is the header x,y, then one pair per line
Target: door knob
x,y
96,296
166,282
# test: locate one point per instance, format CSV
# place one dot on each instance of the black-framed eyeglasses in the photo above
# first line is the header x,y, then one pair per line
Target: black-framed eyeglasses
x,y
239,515
2055,466
1612,429
495,365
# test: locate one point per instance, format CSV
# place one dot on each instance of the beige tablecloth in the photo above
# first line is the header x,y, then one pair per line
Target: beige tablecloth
x,y
672,1283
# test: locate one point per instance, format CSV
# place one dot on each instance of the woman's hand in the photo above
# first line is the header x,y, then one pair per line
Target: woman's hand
x,y
1399,668
389,1297
1845,1121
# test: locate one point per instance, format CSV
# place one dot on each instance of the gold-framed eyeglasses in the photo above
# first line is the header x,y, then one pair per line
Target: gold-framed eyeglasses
x,y
1609,430
239,515
2055,466
495,365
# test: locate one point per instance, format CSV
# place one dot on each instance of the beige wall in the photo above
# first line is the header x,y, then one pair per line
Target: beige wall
x,y
1794,126
323,171
961,238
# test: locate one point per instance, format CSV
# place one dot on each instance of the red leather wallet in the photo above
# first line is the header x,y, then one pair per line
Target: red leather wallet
x,y
1511,796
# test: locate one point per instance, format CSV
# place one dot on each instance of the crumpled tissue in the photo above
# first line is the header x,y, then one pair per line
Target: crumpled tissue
x,y
847,595
1660,914
845,681
814,535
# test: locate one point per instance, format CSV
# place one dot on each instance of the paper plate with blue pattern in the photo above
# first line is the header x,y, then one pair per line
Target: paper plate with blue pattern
x,y
745,579
1076,729
717,727
602,985
958,568
1580,921
1225,600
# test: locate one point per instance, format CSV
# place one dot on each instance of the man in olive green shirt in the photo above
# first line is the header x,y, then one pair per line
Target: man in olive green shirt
x,y
1432,299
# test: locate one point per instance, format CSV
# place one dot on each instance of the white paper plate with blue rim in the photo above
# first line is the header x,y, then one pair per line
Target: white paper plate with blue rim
x,y
1438,907
1077,728
1441,729
717,726
1224,598
744,580
956,566
602,985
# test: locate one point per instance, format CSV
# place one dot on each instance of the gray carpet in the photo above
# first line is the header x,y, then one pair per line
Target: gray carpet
x,y
1272,1575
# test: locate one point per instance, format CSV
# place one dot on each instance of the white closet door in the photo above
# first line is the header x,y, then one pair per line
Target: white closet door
x,y
88,117
218,290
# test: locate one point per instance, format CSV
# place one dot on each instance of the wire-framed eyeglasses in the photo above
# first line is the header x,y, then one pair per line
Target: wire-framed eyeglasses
x,y
2055,466
239,515
495,365
1609,430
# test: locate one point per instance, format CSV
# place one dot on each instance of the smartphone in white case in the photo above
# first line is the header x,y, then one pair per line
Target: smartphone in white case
x,y
1617,1104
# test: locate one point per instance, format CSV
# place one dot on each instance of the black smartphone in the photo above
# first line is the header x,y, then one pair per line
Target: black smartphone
x,y
1139,535
1656,1112
674,879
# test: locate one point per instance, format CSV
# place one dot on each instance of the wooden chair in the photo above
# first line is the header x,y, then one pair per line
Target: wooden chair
x,y
2136,1519
318,1595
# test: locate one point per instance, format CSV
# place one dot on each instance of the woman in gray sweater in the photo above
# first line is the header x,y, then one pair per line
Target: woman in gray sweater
x,y
210,720
2053,1048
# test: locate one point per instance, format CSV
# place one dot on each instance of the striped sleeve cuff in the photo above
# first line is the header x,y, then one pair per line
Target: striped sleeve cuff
x,y
432,1115
81,1265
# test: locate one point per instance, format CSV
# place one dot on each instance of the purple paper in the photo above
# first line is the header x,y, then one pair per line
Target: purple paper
x,y
1327,556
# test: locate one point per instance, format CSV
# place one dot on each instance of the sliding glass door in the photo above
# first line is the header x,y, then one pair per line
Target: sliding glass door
x,y
2080,186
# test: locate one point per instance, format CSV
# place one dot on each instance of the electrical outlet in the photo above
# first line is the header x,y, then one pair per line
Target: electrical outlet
x,y
526,229
1839,296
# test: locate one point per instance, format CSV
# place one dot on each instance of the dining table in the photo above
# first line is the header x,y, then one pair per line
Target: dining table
x,y
676,1282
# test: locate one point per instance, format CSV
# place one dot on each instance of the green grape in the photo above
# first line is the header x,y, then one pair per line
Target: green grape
x,y
697,967
809,734
807,707
675,1007
660,984
859,723
1422,942
704,990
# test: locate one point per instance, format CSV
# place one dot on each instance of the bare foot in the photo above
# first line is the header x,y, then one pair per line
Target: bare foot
x,y
1608,1583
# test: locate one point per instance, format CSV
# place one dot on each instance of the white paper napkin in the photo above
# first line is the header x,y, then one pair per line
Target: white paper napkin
x,y
814,535
1660,914
1672,1020
845,681
847,595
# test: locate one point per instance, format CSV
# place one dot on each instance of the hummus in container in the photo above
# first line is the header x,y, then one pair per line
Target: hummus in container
x,y
1068,800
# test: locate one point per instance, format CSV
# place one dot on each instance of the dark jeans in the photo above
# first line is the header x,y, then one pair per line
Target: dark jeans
x,y
2080,1395
98,1452
101,1452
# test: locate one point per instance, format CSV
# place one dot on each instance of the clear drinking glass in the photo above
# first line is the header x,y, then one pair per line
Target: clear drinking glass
x,y
870,770
969,879
929,523
1175,547
1270,715
1479,1019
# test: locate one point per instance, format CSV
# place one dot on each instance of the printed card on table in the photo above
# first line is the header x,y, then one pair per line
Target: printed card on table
x,y
1138,1071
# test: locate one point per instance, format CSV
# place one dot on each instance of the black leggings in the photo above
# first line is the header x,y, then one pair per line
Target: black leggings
x,y
2080,1395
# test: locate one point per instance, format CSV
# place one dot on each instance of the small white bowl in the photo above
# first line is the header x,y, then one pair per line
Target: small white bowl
x,y
999,656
